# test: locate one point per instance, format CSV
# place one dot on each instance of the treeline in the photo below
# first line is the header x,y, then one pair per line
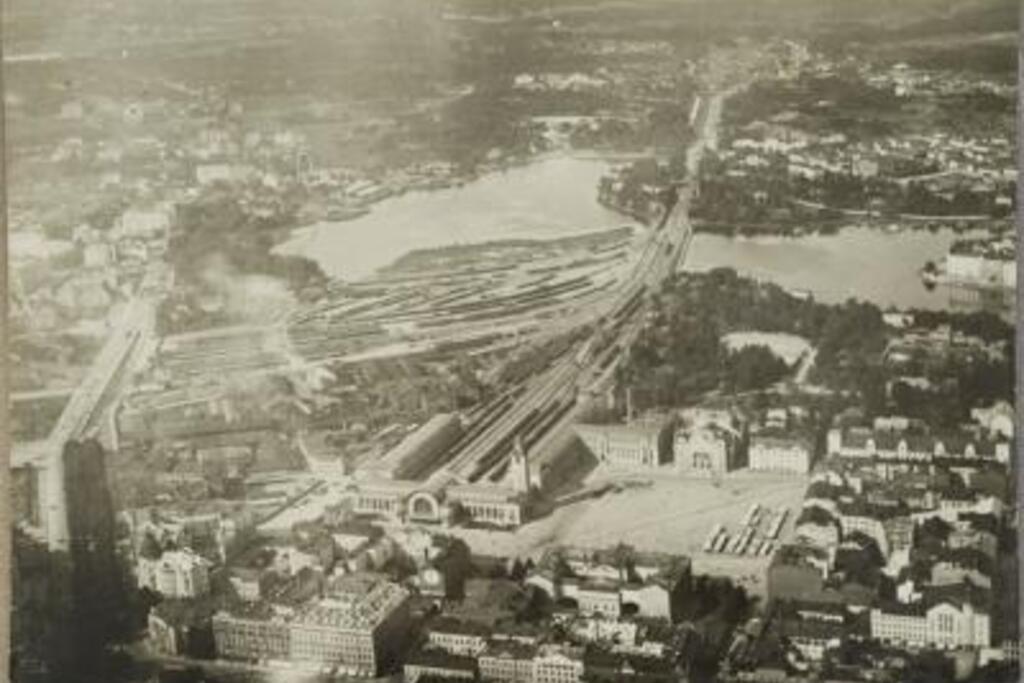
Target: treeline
x,y
854,108
219,225
679,356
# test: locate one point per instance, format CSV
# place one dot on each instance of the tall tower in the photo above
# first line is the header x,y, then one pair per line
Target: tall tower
x,y
519,468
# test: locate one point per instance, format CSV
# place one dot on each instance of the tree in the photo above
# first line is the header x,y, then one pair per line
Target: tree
x,y
537,607
624,557
753,367
150,548
518,571
455,564
936,529
929,667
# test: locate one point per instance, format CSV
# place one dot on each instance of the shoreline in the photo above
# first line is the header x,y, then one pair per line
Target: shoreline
x,y
493,168
292,241
812,234
755,231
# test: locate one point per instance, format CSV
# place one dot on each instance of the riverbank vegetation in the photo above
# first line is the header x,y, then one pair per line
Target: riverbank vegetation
x,y
217,248
680,359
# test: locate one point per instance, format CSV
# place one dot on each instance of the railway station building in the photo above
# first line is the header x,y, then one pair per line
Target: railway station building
x,y
500,504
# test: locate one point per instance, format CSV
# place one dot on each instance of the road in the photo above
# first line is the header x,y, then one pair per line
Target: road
x,y
558,390
806,363
41,394
79,418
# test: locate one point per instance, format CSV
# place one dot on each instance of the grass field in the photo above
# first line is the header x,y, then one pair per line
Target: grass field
x,y
788,347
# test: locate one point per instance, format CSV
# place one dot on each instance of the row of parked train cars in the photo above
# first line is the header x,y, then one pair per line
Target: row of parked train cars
x,y
749,540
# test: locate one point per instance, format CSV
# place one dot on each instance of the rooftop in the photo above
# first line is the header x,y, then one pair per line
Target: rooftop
x,y
813,514
949,442
457,626
439,659
649,427
641,664
509,649
483,492
794,555
360,610
861,508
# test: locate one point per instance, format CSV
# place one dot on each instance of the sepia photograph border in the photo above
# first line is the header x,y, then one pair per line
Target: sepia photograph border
x,y
5,425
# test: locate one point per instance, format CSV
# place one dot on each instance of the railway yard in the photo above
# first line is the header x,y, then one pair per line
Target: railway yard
x,y
540,325
476,300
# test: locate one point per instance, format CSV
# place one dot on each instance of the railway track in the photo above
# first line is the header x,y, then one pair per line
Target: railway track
x,y
551,401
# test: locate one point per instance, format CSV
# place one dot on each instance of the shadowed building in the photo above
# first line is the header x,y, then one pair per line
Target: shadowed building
x,y
637,445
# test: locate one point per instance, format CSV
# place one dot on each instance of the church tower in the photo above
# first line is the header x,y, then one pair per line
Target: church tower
x,y
519,468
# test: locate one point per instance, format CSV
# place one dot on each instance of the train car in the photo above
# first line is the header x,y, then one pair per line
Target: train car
x,y
583,355
735,544
722,541
751,511
768,547
777,526
709,544
741,548
744,542
751,537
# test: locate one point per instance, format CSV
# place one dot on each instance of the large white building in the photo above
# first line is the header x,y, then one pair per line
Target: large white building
x,y
866,519
175,574
980,263
654,587
948,622
641,444
864,443
777,451
457,637
439,501
507,661
708,443
558,664
359,626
